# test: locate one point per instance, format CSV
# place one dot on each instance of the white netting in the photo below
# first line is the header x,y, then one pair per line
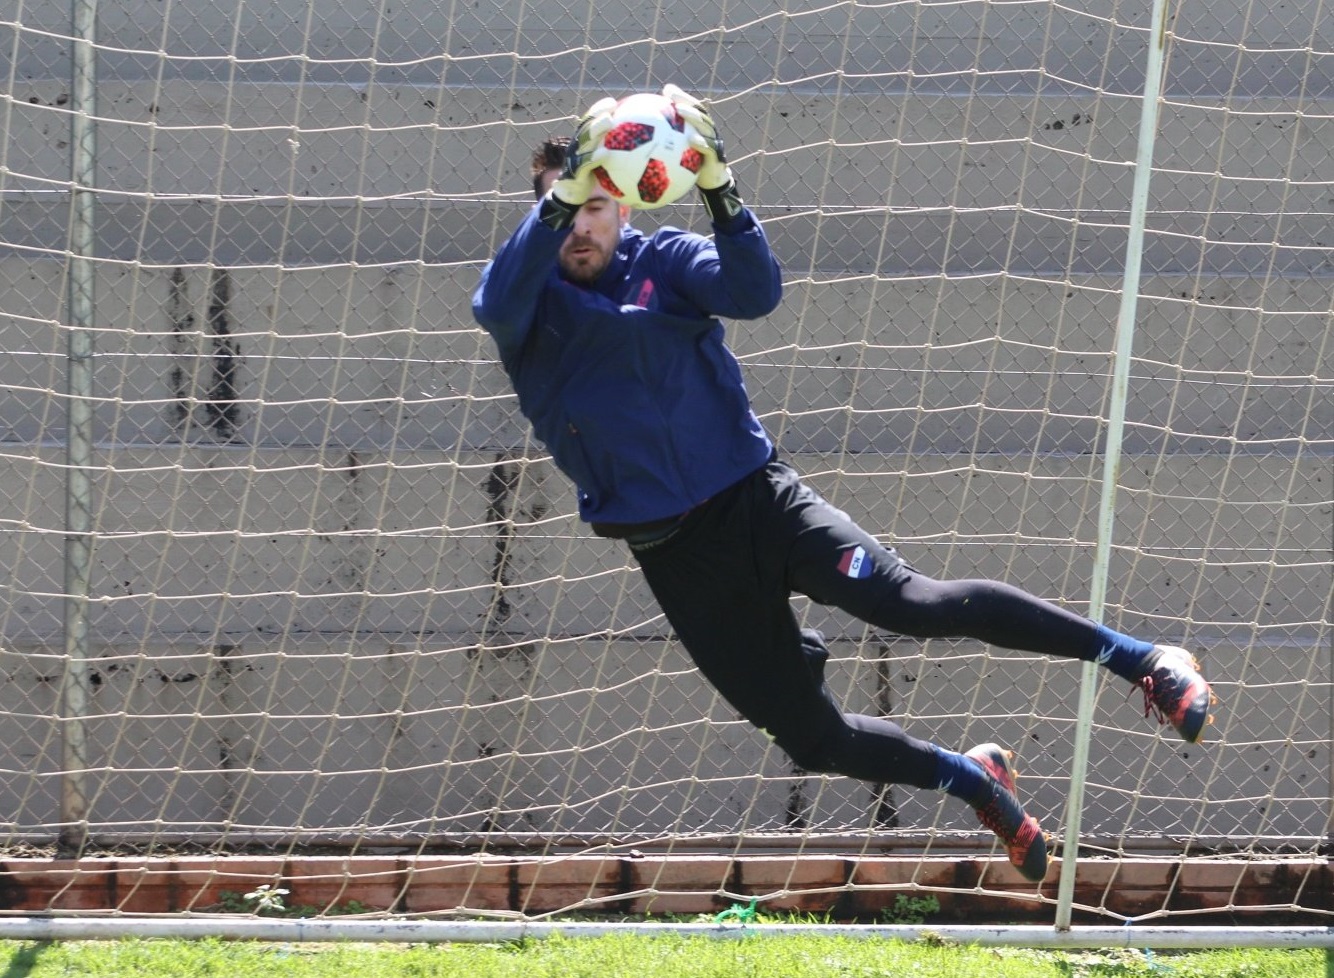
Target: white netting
x,y
339,594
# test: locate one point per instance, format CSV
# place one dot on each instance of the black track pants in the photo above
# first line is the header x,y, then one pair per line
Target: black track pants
x,y
724,581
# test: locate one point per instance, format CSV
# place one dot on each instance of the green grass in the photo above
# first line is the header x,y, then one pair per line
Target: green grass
x,y
635,956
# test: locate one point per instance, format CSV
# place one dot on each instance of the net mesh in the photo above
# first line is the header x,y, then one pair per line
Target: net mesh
x,y
338,594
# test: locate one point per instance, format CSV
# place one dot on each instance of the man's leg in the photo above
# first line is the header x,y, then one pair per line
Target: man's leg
x,y
732,614
836,562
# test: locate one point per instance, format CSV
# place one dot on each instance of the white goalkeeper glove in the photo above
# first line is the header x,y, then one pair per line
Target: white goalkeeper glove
x,y
716,184
572,188
714,173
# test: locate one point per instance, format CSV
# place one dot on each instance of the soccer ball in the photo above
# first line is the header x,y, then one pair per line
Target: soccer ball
x,y
646,160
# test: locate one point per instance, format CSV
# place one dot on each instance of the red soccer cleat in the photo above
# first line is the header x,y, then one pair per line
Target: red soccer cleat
x,y
1175,691
999,810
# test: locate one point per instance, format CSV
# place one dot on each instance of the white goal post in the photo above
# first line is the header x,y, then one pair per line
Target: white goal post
x,y
283,571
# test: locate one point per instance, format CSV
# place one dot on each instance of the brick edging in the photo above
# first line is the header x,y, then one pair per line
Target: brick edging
x,y
1277,890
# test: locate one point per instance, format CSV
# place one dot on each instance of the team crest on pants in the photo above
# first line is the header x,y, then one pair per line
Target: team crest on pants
x,y
855,563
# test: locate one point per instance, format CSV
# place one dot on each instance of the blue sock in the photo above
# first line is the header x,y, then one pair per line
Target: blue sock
x,y
958,776
1121,654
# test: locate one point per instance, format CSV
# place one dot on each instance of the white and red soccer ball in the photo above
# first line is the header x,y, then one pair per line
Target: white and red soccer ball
x,y
646,159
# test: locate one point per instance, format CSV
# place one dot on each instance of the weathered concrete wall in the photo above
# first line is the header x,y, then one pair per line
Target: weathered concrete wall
x,y
336,585
1227,46
289,585
261,663
352,359
883,182
216,545
619,737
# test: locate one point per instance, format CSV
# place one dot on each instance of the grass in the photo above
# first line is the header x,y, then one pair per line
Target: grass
x,y
635,956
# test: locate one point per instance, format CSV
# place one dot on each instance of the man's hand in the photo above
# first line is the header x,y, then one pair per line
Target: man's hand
x,y
575,183
715,173
716,186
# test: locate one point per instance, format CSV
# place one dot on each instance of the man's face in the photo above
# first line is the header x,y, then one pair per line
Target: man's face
x,y
587,252
596,232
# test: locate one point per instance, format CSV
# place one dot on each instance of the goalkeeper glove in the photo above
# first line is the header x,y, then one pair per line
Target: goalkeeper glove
x,y
716,184
571,189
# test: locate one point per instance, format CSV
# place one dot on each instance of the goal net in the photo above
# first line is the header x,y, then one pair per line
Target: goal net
x,y
338,599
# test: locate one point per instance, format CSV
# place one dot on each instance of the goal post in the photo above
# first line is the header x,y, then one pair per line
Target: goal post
x,y
337,604
1118,387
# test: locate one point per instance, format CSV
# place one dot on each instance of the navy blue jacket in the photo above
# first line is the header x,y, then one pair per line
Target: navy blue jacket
x,y
628,383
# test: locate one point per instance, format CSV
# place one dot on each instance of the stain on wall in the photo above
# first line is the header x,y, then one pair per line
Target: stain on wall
x,y
204,378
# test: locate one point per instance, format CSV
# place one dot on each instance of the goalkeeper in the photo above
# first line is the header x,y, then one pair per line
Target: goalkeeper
x,y
612,341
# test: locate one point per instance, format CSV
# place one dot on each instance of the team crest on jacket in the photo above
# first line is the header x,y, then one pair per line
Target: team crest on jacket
x,y
645,294
855,563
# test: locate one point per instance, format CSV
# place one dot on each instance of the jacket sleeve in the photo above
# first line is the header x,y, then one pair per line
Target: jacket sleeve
x,y
505,300
735,275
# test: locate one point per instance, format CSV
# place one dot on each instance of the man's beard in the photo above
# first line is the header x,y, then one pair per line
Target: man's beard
x,y
585,268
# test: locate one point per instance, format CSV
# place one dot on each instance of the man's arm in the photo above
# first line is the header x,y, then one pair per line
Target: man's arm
x,y
505,300
734,275
737,276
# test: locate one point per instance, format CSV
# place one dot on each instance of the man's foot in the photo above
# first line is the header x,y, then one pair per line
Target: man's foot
x,y
999,810
1175,691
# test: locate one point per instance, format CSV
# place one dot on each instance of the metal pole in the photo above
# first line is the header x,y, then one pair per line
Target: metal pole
x,y
1125,334
288,930
79,425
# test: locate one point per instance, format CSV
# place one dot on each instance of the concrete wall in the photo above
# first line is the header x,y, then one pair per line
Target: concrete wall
x,y
886,182
337,586
1222,47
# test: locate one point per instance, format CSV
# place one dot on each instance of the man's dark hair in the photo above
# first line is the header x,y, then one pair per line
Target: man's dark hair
x,y
548,156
